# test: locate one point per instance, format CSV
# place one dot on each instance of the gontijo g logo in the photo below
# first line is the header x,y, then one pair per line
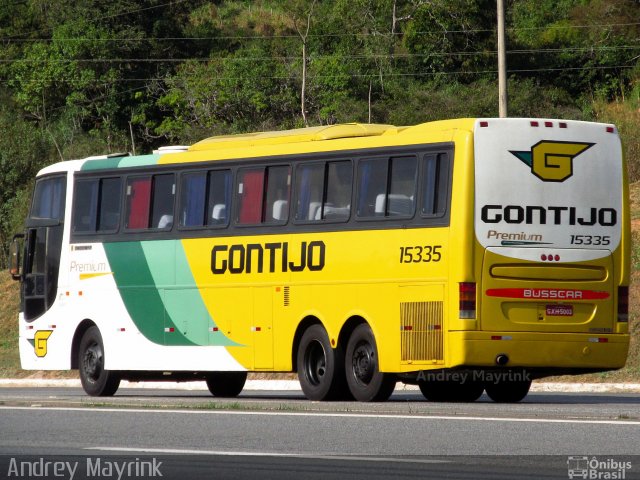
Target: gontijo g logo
x,y
552,161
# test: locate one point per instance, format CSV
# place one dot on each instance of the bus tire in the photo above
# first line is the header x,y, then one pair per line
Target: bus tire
x,y
96,381
226,384
508,391
448,391
366,382
320,367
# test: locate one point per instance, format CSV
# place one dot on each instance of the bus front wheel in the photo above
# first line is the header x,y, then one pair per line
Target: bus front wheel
x,y
508,391
96,381
226,384
320,367
366,382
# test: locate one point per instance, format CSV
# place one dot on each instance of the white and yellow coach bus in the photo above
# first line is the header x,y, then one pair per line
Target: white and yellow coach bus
x,y
464,255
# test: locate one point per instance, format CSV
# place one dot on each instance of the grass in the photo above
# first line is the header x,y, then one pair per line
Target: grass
x,y
9,298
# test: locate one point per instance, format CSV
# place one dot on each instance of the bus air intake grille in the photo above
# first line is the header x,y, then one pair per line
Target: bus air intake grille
x,y
286,296
421,333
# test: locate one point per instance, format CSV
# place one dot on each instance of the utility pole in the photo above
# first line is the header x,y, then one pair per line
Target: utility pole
x,y
502,63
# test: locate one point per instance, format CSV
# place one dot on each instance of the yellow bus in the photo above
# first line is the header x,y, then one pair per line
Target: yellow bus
x,y
464,256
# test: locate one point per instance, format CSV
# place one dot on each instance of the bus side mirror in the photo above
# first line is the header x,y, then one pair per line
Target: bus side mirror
x,y
15,264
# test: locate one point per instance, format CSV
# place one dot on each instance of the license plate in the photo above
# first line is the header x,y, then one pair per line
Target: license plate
x,y
559,310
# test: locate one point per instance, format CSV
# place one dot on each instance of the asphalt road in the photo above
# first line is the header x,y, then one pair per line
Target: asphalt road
x,y
282,435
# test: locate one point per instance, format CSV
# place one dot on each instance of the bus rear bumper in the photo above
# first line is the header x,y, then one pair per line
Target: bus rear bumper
x,y
561,351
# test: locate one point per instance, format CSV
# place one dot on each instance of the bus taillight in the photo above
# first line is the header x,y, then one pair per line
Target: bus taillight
x,y
623,304
467,300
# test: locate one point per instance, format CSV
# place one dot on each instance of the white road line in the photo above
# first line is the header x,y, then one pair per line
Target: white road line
x,y
328,456
332,414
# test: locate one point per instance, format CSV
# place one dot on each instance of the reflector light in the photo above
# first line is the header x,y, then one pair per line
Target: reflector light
x,y
406,328
484,124
213,329
623,304
121,329
598,340
534,123
467,292
563,125
169,329
501,337
611,130
548,124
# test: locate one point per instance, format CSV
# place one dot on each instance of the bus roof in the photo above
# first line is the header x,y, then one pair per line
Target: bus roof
x,y
309,134
295,141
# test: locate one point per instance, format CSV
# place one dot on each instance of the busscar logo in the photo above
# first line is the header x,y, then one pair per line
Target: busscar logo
x,y
552,161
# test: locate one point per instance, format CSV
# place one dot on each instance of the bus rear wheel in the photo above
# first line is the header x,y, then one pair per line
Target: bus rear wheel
x,y
449,391
226,384
320,367
508,391
96,381
366,382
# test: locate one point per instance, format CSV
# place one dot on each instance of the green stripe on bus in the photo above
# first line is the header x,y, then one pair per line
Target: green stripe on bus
x,y
141,296
120,162
160,294
182,299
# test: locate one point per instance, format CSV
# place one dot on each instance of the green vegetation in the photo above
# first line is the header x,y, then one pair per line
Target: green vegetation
x,y
91,77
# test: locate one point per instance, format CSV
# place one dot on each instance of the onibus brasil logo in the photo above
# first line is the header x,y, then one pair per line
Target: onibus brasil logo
x,y
552,161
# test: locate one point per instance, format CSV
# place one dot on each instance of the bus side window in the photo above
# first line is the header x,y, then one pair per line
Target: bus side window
x,y
263,195
85,206
96,205
337,202
150,202
276,205
434,184
249,191
164,189
372,182
193,199
386,187
205,198
219,197
309,191
138,202
109,209
48,199
402,187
